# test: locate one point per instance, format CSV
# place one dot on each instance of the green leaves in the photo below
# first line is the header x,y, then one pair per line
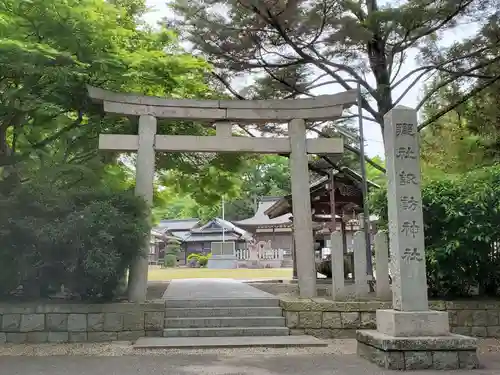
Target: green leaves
x,y
199,193
66,229
49,51
462,232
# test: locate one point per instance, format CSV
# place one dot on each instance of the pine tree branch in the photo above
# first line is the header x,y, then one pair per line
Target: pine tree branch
x,y
423,70
319,132
455,77
236,95
228,86
272,21
462,100
352,149
408,42
294,89
400,66
321,29
264,63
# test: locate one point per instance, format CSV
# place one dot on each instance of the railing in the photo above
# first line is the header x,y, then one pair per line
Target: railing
x,y
242,254
271,254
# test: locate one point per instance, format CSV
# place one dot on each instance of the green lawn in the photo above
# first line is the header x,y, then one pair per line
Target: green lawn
x,y
165,274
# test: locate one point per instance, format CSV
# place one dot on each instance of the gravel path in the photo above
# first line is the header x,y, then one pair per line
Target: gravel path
x,y
119,359
117,348
335,347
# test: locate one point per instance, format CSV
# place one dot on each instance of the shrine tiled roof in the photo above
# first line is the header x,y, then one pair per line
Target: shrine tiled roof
x,y
261,219
212,231
213,237
178,224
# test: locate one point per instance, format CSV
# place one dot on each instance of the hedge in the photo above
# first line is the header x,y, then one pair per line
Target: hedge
x,y
83,239
462,232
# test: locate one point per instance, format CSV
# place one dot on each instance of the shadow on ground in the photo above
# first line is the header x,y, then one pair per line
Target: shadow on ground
x,y
156,289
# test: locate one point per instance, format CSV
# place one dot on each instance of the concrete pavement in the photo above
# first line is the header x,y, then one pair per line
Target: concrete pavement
x,y
225,362
212,288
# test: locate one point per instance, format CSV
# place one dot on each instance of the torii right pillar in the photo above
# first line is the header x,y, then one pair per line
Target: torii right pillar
x,y
410,336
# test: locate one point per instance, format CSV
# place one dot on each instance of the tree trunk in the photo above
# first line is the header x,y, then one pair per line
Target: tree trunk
x,y
376,49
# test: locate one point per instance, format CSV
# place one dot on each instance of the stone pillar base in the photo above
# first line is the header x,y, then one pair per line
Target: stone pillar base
x,y
416,340
418,353
413,323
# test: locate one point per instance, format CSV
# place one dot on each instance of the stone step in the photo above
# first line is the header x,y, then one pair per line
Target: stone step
x,y
228,342
226,331
222,311
261,321
221,302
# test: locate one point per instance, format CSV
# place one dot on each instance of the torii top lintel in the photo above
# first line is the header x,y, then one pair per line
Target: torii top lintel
x,y
325,107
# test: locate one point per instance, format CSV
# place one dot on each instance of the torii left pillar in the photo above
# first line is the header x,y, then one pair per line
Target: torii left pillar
x,y
144,178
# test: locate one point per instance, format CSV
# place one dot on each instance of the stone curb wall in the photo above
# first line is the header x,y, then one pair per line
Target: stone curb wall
x,y
330,319
66,322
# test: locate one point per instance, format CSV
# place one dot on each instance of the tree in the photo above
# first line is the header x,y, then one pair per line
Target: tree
x,y
268,175
460,213
374,174
450,147
259,176
68,226
470,129
468,135
294,47
451,91
173,247
50,50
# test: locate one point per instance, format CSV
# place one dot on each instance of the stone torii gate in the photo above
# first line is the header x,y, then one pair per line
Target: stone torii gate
x,y
224,113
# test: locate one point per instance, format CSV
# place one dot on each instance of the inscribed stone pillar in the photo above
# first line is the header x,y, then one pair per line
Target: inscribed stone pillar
x,y
253,251
410,336
294,260
301,206
382,265
406,236
360,278
281,254
144,178
344,237
337,266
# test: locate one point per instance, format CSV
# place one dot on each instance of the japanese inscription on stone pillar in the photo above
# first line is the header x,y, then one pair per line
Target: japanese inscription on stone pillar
x,y
406,236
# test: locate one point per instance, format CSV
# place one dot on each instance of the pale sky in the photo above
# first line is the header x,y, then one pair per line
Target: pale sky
x,y
372,132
